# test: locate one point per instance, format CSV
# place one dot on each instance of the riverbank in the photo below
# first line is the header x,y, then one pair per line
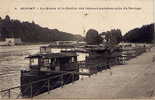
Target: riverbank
x,y
134,80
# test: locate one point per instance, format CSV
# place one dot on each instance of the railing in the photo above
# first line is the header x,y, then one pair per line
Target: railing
x,y
15,92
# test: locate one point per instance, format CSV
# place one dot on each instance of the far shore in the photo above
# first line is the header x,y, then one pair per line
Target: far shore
x,y
28,43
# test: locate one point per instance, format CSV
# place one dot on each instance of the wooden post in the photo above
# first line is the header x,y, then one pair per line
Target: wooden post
x,y
31,90
89,76
0,95
62,81
72,77
9,93
48,86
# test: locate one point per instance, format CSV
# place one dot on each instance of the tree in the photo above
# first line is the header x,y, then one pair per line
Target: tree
x,y
144,34
92,37
113,36
0,18
32,32
7,18
117,36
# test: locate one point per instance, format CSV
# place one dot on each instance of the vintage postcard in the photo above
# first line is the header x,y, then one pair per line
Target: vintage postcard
x,y
77,49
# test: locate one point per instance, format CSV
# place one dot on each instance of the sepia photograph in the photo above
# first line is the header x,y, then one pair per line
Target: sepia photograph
x,y
77,49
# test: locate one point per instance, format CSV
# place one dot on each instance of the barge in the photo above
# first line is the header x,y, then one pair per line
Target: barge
x,y
102,57
48,71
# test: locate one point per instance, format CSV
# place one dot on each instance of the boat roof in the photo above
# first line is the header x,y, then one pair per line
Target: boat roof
x,y
53,55
62,46
44,47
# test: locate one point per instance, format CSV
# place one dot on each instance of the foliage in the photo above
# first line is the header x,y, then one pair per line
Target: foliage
x,y
92,37
31,32
113,36
145,34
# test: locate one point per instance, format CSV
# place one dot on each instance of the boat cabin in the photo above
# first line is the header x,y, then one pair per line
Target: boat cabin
x,y
53,62
45,49
55,68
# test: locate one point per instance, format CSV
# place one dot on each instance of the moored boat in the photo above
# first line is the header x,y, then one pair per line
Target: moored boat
x,y
48,71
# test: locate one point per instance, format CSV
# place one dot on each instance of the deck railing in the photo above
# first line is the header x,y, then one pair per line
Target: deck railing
x,y
15,92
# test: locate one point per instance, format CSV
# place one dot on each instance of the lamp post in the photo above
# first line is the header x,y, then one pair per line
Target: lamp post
x,y
84,28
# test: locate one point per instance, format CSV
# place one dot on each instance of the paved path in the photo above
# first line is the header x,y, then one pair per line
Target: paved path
x,y
134,80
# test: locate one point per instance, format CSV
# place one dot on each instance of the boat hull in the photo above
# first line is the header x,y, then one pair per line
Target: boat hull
x,y
35,83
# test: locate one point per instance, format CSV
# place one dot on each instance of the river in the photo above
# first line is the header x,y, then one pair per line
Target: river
x,y
12,60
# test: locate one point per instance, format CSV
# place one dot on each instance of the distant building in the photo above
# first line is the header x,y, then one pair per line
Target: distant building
x,y
65,42
13,41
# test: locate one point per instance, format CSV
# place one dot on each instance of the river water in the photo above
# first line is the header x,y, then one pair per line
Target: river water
x,y
12,60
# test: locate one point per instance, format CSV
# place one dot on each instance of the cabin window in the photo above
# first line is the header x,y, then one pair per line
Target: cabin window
x,y
41,62
45,50
52,64
33,62
57,68
46,62
73,59
48,50
45,65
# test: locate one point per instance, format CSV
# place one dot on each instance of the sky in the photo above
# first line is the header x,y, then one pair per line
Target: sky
x,y
113,14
